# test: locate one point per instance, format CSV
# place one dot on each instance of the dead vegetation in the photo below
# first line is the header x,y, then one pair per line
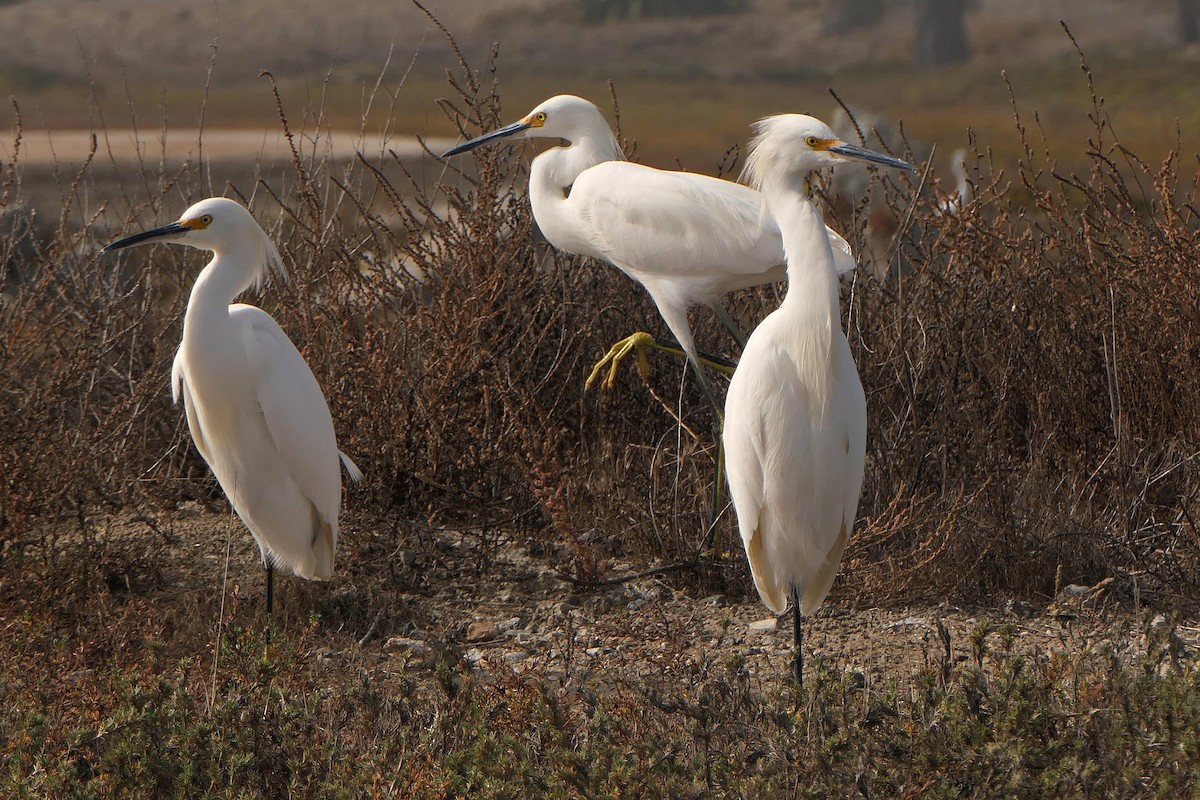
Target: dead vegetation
x,y
1027,363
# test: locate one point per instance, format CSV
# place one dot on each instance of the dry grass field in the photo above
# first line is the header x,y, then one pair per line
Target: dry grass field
x,y
523,604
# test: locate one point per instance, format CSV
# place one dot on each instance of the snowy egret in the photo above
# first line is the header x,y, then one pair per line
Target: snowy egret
x,y
687,238
954,203
254,408
795,414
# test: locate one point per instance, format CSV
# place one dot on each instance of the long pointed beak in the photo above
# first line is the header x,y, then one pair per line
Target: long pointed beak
x,y
854,151
499,133
173,229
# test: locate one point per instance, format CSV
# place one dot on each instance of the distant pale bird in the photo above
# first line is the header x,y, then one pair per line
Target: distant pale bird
x,y
253,406
687,238
795,415
954,203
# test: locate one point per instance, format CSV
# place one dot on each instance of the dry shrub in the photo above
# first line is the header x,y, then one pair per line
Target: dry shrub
x,y
1026,364
452,347
1028,377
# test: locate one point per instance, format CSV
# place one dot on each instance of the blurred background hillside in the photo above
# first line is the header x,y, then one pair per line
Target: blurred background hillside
x,y
689,75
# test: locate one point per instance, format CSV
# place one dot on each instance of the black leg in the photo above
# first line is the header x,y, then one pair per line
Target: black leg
x,y
798,665
270,600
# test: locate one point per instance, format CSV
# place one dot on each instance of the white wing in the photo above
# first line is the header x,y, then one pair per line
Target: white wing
x,y
843,256
746,198
294,409
683,226
794,469
180,389
282,471
745,438
676,225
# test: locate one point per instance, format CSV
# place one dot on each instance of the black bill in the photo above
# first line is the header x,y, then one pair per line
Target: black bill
x,y
499,133
157,233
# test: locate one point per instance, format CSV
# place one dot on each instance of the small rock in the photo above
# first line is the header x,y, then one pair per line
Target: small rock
x,y
400,643
764,625
598,605
482,630
510,623
406,558
544,582
473,656
515,656
907,622
1018,608
621,594
567,605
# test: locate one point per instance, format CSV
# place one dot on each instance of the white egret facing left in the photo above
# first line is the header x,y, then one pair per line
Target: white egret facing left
x,y
253,406
795,415
687,238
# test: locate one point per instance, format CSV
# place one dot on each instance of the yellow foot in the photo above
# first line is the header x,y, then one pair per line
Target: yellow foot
x,y
616,354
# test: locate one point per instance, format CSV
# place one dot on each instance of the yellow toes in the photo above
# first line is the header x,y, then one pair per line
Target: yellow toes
x,y
617,353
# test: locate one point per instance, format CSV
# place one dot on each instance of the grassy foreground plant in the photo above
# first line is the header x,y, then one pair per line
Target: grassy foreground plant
x,y
1059,724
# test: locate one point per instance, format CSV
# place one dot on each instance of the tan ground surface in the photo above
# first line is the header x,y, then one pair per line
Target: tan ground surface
x,y
404,599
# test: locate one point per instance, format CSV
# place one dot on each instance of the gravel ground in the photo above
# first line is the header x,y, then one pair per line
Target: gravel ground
x,y
504,609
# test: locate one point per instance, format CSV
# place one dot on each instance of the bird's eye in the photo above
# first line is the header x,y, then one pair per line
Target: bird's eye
x,y
206,219
811,141
540,116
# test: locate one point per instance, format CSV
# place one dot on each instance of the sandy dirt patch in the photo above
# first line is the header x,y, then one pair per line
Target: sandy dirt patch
x,y
403,600
127,146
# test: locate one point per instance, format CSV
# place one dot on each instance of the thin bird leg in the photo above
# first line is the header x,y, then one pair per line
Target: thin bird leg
x,y
710,536
642,340
270,600
798,665
728,322
639,342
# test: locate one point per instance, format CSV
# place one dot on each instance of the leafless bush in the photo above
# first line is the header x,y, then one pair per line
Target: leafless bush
x,y
1028,377
1027,364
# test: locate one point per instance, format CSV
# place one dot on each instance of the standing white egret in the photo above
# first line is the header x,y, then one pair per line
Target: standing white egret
x,y
795,414
687,238
253,406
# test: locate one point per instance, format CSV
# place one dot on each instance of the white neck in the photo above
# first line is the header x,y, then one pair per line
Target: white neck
x,y
554,172
230,272
812,278
811,307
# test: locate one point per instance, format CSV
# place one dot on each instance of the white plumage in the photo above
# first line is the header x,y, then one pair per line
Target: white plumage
x,y
254,408
795,414
687,238
953,204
